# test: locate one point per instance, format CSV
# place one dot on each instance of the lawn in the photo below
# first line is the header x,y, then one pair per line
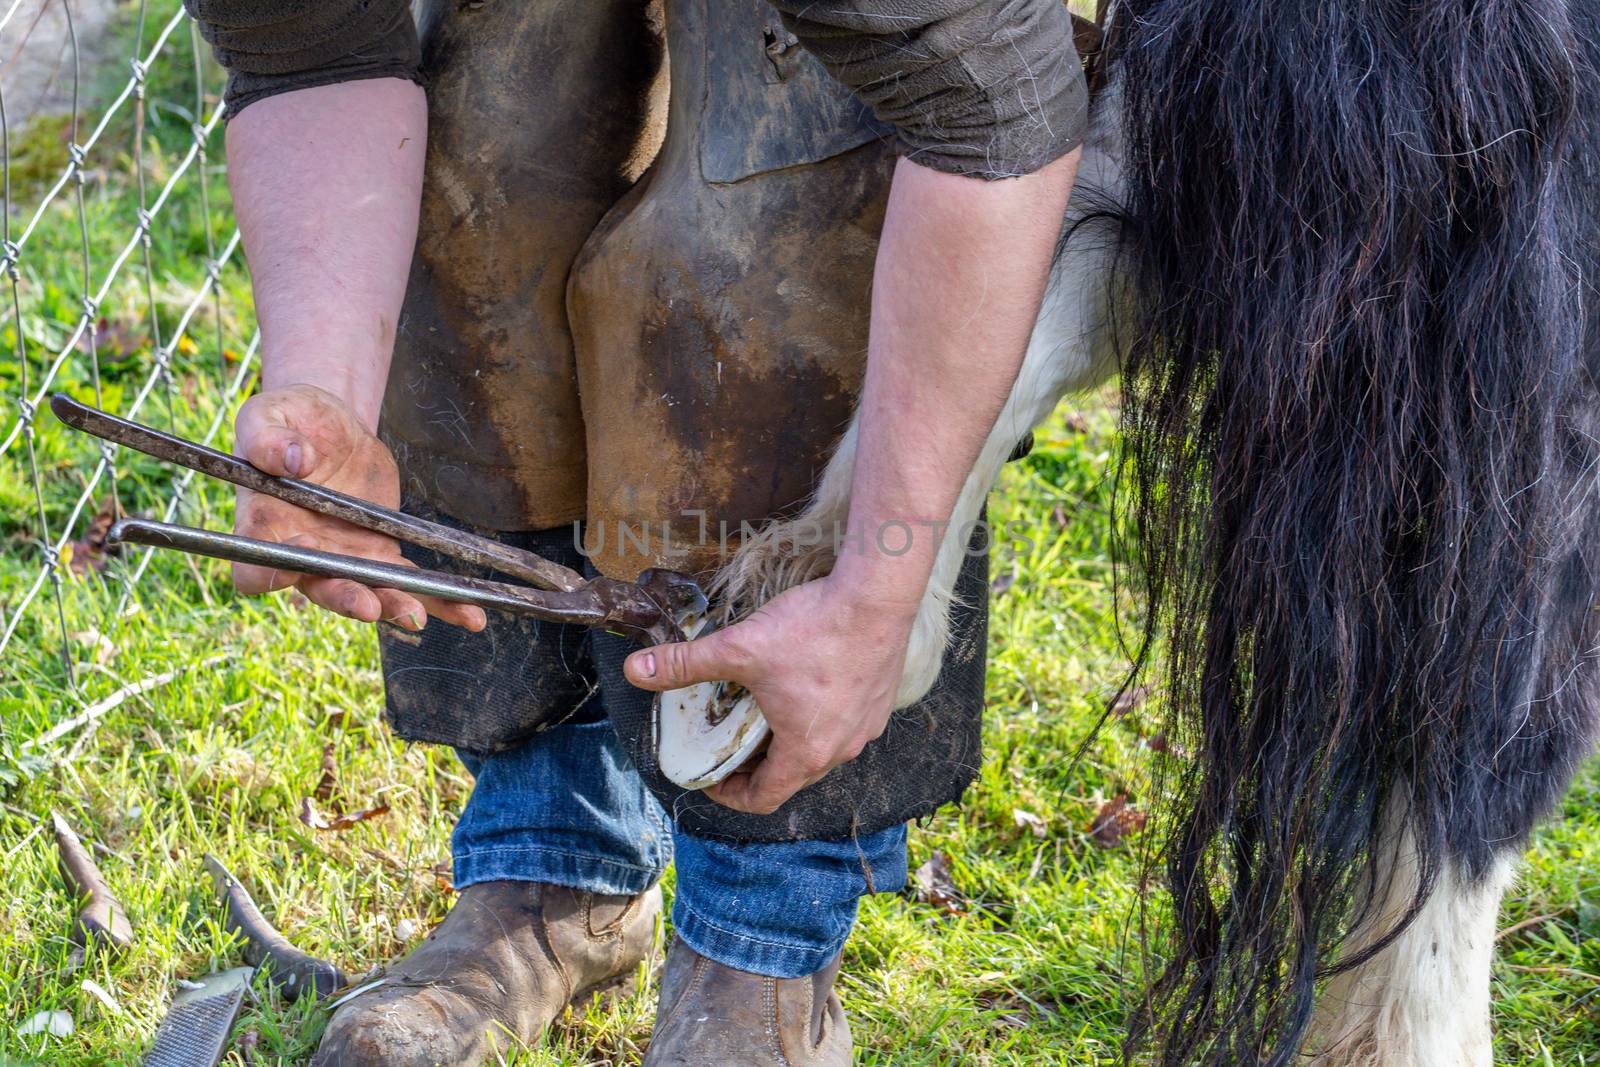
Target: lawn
x,y
1031,962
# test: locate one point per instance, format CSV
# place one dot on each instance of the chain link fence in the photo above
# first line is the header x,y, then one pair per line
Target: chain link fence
x,y
123,285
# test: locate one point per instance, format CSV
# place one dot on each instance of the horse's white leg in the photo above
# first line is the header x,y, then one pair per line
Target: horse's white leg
x,y
1070,350
1423,1001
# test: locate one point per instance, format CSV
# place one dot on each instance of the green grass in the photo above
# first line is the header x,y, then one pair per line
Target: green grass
x,y
1033,973
1037,970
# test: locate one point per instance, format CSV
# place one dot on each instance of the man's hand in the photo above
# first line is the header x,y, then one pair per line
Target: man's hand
x,y
823,664
303,432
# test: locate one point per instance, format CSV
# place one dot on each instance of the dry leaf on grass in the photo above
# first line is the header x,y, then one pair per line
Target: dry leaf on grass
x,y
54,1023
330,775
1115,820
444,876
231,768
331,821
936,887
82,557
114,339
247,1043
92,640
91,553
103,995
1028,819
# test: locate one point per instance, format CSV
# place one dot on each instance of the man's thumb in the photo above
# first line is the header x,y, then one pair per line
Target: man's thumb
x,y
676,665
277,449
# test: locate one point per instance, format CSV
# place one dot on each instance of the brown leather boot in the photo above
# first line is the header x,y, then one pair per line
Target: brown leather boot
x,y
711,1014
504,963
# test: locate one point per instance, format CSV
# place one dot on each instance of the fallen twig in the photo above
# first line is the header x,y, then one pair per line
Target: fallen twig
x,y
1517,928
1567,972
115,700
29,817
21,813
20,845
294,972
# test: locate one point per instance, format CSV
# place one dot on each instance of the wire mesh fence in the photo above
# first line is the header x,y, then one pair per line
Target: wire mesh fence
x,y
123,286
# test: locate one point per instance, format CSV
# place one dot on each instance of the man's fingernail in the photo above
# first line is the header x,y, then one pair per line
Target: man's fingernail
x,y
417,621
291,460
647,665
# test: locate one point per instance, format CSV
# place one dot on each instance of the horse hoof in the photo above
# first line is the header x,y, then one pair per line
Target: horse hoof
x,y
706,732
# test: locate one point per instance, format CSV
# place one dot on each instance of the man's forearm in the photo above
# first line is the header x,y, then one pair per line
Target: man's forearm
x,y
960,274
326,184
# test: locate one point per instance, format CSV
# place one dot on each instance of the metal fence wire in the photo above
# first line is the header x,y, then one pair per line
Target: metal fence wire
x,y
123,286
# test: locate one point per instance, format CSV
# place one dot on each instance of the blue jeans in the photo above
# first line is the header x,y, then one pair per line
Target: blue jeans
x,y
567,808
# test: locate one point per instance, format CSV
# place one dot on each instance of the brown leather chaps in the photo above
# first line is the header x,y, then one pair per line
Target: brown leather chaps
x,y
637,317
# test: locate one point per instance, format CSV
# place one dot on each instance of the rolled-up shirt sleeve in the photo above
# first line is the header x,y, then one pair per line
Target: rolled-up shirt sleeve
x,y
989,88
274,46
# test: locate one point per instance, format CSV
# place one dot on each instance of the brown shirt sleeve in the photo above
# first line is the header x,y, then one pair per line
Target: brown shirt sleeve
x,y
989,88
273,46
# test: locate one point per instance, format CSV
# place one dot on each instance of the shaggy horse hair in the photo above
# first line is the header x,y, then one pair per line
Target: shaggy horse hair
x,y
1354,251
1362,432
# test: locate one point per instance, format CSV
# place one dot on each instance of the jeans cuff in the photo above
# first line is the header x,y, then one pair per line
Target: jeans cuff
x,y
553,866
746,952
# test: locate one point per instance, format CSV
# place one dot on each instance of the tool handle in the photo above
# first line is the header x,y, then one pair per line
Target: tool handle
x,y
293,972
580,606
446,540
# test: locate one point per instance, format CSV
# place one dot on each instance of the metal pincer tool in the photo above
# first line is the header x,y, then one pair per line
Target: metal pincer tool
x,y
703,733
661,606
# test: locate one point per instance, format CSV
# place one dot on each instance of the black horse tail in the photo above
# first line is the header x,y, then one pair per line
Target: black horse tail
x,y
1362,431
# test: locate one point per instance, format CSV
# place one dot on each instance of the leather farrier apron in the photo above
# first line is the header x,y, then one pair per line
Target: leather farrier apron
x,y
667,358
